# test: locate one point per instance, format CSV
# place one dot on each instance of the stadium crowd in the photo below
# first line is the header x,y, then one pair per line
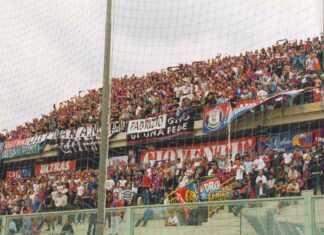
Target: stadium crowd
x,y
265,173
268,173
259,73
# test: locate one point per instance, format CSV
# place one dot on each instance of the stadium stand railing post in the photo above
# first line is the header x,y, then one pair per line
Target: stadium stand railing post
x,y
309,212
3,225
270,224
105,122
130,221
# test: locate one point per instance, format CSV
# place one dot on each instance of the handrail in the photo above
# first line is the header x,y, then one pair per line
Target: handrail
x,y
174,205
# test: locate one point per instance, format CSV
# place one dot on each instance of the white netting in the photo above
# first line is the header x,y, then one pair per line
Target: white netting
x,y
149,36
50,50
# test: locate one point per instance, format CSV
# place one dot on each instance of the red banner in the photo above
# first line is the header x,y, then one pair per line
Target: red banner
x,y
41,169
317,94
247,102
13,174
318,136
195,151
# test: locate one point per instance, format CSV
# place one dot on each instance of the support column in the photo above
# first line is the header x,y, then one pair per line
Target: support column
x,y
309,213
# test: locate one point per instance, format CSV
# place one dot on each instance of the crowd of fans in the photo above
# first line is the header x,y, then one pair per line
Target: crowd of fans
x,y
267,173
259,73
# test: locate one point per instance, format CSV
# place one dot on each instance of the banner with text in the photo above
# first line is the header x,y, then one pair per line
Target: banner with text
x,y
20,173
291,139
41,169
146,125
165,126
211,189
23,150
209,150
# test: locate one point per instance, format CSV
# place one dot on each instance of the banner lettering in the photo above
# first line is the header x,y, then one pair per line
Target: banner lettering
x,y
174,126
41,169
196,151
146,125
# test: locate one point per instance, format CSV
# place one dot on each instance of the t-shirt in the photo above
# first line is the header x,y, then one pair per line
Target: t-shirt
x,y
262,178
248,166
127,195
259,164
80,190
60,201
36,187
287,158
110,184
239,170
271,183
122,182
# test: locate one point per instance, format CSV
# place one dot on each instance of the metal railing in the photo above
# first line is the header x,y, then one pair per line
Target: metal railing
x,y
269,216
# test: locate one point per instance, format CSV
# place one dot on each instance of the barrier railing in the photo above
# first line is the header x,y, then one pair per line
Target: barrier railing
x,y
269,216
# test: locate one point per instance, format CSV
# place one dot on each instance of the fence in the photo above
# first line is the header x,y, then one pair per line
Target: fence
x,y
270,216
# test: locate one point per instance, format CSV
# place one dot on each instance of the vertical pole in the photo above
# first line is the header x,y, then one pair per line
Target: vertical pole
x,y
3,225
105,123
322,17
130,221
309,218
241,217
229,126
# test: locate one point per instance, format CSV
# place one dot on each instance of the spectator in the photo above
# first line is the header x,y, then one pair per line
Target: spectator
x,y
67,228
60,201
259,74
261,189
293,188
261,178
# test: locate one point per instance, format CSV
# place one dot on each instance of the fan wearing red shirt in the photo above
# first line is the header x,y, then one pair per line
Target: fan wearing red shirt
x,y
146,185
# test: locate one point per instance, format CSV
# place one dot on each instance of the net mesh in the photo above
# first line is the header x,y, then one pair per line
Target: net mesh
x,y
52,51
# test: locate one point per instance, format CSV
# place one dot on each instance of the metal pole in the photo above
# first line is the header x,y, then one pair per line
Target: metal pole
x,y
105,123
229,149
322,17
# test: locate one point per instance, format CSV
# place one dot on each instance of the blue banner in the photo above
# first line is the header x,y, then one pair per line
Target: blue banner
x,y
22,151
280,142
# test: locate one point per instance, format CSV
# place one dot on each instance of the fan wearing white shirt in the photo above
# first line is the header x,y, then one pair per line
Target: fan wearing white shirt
x,y
261,177
239,170
271,185
110,183
60,201
259,164
287,157
80,190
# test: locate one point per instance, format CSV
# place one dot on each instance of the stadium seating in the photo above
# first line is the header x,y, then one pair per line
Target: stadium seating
x,y
266,174
262,73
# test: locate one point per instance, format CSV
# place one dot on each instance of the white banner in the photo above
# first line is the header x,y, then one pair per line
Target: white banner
x,y
81,132
148,124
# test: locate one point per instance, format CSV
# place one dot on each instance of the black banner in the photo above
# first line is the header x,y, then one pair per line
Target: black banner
x,y
117,127
175,126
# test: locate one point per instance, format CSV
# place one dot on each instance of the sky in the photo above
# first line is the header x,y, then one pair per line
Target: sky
x,y
50,50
